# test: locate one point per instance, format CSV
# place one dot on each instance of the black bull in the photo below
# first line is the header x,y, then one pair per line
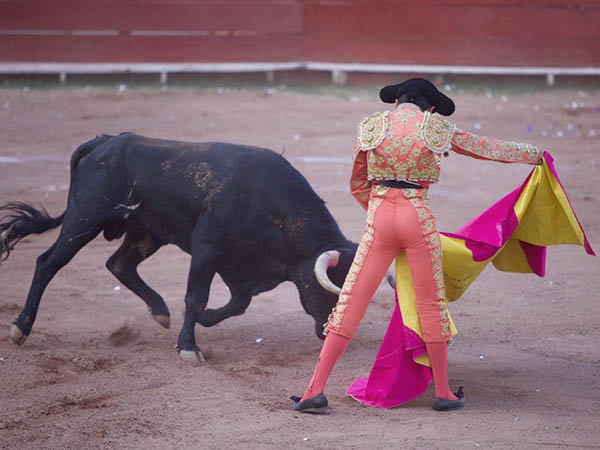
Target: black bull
x,y
242,212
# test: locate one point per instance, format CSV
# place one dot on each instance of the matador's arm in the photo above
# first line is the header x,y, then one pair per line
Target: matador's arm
x,y
440,135
482,147
360,186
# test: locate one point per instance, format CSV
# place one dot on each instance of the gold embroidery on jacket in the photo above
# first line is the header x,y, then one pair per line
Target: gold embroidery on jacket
x,y
496,148
401,154
436,132
403,160
334,321
372,130
420,202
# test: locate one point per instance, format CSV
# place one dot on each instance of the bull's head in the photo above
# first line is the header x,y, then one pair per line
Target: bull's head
x,y
330,270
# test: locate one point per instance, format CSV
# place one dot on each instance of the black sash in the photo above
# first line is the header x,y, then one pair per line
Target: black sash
x,y
399,184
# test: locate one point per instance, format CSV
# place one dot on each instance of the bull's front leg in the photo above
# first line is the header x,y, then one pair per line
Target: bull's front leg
x,y
200,277
73,236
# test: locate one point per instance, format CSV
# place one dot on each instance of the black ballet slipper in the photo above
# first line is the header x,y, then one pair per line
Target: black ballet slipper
x,y
317,404
444,404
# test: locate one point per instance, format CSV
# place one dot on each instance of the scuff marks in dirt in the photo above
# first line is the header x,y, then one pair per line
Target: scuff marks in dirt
x,y
123,336
67,402
241,371
56,369
9,308
275,359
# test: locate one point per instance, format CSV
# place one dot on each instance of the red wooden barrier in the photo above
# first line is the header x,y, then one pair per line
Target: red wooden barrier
x,y
461,32
150,31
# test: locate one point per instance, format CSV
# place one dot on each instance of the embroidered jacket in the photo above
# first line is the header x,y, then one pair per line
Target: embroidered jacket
x,y
407,144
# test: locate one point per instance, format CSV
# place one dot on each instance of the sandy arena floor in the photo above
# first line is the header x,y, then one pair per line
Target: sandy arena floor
x,y
98,372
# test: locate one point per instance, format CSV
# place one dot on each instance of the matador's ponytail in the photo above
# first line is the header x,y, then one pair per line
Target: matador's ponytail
x,y
414,96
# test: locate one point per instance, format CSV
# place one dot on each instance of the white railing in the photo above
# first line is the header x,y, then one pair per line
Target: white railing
x,y
339,71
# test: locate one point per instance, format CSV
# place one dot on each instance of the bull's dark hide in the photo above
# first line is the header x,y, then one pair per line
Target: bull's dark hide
x,y
242,212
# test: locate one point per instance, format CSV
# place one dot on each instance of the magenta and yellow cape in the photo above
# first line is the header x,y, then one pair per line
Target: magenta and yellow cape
x,y
513,235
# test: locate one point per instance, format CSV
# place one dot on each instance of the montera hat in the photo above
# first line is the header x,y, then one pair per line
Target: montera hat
x,y
416,87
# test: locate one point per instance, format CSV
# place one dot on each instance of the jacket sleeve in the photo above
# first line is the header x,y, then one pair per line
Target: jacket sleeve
x,y
482,147
360,186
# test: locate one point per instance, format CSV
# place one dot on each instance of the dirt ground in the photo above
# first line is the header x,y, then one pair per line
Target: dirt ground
x,y
98,372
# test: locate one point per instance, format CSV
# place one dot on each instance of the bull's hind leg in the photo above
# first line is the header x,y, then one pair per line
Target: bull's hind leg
x,y
236,306
73,236
137,246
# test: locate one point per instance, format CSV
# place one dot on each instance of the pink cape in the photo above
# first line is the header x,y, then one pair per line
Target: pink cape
x,y
395,377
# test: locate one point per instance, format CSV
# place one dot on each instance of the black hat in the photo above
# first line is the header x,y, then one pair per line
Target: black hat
x,y
443,104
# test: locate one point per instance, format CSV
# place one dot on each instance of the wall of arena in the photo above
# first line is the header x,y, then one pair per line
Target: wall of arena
x,y
401,32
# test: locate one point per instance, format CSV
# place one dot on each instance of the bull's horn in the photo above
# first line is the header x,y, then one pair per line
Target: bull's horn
x,y
324,262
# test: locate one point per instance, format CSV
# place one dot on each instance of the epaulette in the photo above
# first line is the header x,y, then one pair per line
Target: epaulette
x,y
437,132
372,130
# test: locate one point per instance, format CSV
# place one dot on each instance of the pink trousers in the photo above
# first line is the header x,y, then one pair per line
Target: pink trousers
x,y
397,220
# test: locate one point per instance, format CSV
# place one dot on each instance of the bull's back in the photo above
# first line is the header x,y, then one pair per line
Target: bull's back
x,y
204,172
186,170
193,171
245,190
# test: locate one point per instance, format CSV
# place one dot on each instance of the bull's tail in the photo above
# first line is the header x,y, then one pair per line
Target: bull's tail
x,y
21,220
18,219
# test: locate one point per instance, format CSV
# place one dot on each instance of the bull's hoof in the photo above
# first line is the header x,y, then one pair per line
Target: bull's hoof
x,y
17,336
391,279
192,356
162,320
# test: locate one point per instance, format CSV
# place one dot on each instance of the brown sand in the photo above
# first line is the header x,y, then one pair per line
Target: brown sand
x,y
98,372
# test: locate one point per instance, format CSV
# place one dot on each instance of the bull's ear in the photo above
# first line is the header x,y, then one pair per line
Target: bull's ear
x,y
348,254
338,273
